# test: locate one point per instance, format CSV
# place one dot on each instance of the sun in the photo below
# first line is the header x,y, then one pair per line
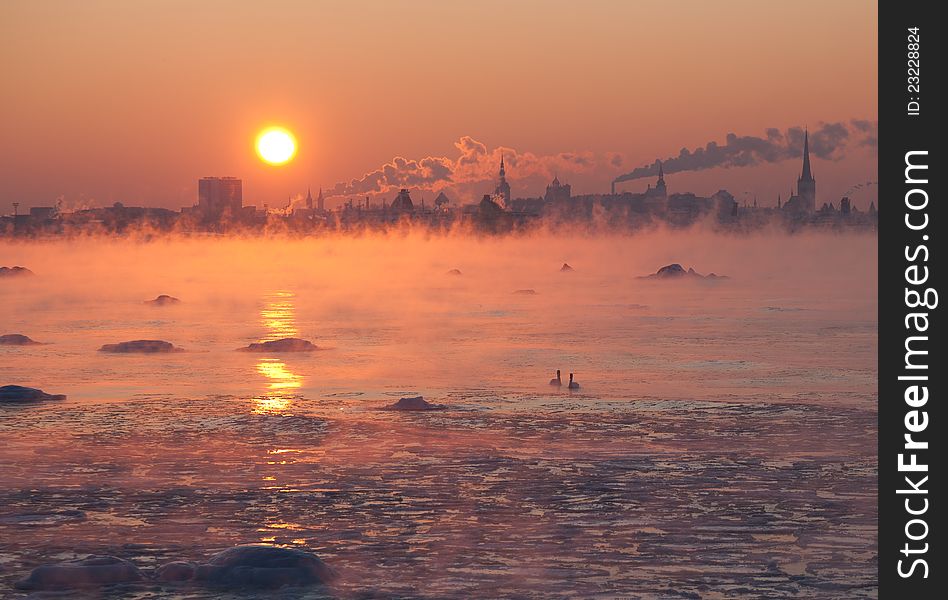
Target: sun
x,y
276,145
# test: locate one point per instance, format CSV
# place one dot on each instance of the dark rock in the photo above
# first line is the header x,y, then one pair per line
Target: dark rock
x,y
676,271
163,300
17,339
141,346
94,571
15,272
526,292
454,272
252,566
672,270
566,268
18,394
268,565
176,572
413,403
281,345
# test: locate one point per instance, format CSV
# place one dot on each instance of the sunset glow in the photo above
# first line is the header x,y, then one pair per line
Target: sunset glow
x,y
276,145
463,299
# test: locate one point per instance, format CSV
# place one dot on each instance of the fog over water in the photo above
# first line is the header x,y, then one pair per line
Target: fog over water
x,y
723,438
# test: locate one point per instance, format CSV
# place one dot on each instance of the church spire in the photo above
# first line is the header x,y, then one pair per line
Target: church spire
x,y
660,184
807,175
503,188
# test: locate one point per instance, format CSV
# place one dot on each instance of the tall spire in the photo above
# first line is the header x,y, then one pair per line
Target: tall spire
x,y
660,184
503,188
807,175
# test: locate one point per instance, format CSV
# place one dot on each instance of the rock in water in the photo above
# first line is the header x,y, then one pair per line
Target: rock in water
x,y
18,394
282,345
252,566
94,571
176,572
163,300
676,271
414,403
140,346
15,272
672,270
270,566
17,339
566,268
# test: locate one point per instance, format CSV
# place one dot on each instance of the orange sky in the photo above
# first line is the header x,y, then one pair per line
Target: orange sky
x,y
133,101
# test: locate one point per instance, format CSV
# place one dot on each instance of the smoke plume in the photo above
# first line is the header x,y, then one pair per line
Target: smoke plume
x,y
829,142
474,163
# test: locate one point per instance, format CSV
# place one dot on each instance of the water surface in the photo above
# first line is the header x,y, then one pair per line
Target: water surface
x,y
722,443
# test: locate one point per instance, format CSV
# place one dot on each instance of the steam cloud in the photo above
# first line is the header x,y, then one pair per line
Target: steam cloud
x,y
474,163
829,141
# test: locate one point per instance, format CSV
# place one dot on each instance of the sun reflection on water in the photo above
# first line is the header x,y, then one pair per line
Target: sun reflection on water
x,y
277,316
281,378
278,319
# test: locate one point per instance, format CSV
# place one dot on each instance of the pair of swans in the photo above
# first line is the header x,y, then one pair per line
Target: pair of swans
x,y
558,382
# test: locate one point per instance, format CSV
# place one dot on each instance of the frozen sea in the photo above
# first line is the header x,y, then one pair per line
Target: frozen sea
x,y
722,443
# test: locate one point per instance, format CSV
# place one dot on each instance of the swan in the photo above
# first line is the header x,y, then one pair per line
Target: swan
x,y
556,380
572,384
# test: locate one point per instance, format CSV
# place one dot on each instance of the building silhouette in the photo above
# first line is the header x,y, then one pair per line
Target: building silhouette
x,y
845,206
43,212
503,188
219,195
804,201
806,185
557,191
403,202
442,201
318,204
660,188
